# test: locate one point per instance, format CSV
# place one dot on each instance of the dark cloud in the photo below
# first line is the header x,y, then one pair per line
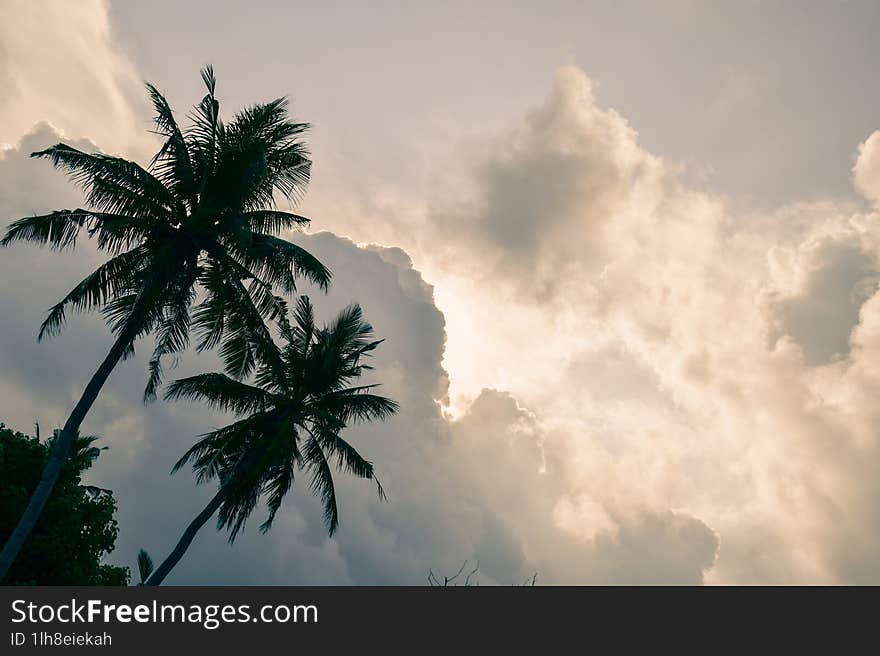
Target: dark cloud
x,y
839,278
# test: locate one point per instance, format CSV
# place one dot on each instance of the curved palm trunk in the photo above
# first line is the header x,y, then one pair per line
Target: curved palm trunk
x,y
59,453
186,539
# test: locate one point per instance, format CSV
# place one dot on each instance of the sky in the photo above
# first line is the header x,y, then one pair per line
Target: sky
x,y
624,256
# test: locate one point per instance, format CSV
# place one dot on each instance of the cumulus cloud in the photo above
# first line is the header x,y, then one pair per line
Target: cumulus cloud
x,y
825,282
481,487
694,358
545,197
866,171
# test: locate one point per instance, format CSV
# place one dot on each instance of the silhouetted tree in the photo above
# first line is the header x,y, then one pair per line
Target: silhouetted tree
x,y
202,214
469,579
302,399
76,528
452,581
145,566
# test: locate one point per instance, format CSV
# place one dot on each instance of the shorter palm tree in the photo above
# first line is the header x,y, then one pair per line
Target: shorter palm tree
x,y
292,416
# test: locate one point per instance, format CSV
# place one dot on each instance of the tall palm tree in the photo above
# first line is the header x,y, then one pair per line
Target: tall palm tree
x,y
292,416
202,214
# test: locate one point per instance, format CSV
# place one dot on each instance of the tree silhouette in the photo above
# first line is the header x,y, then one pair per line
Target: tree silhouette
x,y
201,215
469,579
292,417
145,566
77,528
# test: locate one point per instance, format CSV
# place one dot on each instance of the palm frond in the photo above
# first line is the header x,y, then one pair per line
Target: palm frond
x,y
274,221
139,308
280,262
114,185
286,457
357,405
96,289
260,134
248,339
213,452
322,484
203,134
173,333
220,392
59,229
145,565
172,163
347,457
238,504
348,333
275,491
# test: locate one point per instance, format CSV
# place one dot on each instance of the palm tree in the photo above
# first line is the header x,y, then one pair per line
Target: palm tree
x,y
202,214
292,417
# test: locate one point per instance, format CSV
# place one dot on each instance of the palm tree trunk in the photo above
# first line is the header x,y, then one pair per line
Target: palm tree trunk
x,y
227,483
59,453
186,539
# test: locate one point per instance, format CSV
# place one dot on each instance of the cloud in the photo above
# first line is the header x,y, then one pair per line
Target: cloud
x,y
545,196
835,275
482,487
866,171
644,385
60,63
687,356
479,488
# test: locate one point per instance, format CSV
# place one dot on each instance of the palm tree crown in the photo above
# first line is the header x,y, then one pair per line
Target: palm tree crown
x,y
292,416
203,213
